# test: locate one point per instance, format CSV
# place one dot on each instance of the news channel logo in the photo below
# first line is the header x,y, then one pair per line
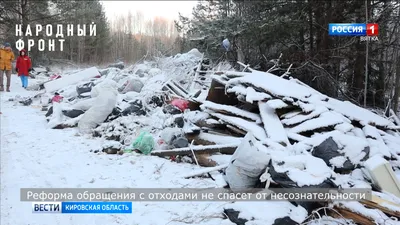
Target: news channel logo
x,y
367,32
82,207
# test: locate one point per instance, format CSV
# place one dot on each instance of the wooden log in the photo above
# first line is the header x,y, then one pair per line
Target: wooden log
x,y
202,123
205,161
232,111
198,149
203,171
360,219
236,130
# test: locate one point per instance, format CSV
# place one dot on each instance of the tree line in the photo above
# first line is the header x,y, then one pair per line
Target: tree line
x,y
260,31
127,38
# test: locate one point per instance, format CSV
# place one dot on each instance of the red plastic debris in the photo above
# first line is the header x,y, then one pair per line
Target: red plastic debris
x,y
172,158
57,98
55,76
180,104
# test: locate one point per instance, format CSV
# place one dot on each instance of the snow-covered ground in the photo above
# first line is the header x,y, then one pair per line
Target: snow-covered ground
x,y
34,156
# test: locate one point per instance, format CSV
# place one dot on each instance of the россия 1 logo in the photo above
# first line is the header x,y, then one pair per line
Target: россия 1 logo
x,y
367,32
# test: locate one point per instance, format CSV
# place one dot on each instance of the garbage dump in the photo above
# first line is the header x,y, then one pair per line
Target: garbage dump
x,y
273,131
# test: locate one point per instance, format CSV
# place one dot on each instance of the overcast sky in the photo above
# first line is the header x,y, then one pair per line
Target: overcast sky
x,y
151,9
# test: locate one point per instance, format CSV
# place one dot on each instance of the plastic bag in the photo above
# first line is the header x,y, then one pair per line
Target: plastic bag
x,y
55,77
226,44
57,98
105,101
144,143
247,164
132,85
180,104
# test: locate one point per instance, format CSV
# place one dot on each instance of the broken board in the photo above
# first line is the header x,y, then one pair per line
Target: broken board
x,y
272,124
75,78
197,149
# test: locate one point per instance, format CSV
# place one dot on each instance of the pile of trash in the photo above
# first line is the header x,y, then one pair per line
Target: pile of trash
x,y
119,103
274,131
295,137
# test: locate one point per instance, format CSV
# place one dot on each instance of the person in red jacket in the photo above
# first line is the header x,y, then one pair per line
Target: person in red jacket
x,y
23,67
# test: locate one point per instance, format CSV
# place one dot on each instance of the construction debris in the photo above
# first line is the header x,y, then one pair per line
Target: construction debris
x,y
256,128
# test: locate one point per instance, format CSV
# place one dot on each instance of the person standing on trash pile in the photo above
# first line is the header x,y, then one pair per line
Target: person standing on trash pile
x,y
6,57
23,67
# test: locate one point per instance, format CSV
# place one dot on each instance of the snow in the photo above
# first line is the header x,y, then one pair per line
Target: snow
x,y
219,139
256,211
252,95
194,116
354,112
111,144
231,110
238,90
378,147
294,136
249,92
57,84
372,132
273,84
303,169
221,159
277,104
297,117
272,124
39,69
84,104
344,127
338,161
195,52
326,119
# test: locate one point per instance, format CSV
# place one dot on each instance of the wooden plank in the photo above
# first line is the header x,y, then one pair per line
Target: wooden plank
x,y
272,124
217,95
232,111
197,72
198,149
203,171
242,124
373,205
360,219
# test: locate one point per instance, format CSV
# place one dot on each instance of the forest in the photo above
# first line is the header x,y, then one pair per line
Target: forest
x,y
285,33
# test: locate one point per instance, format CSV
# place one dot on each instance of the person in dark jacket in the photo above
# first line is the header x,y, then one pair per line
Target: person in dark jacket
x,y
23,67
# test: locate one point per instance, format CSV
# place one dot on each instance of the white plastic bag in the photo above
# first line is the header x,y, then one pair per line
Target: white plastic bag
x,y
132,85
247,164
107,84
226,44
85,104
106,99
